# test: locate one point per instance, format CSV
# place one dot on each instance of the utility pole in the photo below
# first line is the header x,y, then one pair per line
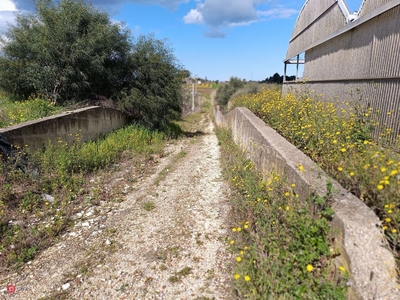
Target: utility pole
x,y
194,90
192,96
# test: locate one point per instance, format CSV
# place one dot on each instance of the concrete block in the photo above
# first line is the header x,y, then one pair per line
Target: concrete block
x,y
89,123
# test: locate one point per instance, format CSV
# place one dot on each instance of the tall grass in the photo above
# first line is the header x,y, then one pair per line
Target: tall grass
x,y
29,222
281,250
14,112
337,136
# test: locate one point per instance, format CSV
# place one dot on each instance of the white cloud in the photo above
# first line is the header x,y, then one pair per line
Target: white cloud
x,y
217,14
278,13
7,14
112,6
222,12
7,5
193,17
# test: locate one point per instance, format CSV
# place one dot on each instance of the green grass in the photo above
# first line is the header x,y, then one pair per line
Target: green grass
x,y
61,170
14,112
337,136
280,249
149,206
177,277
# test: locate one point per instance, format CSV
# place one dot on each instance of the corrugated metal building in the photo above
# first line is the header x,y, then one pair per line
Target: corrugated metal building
x,y
350,56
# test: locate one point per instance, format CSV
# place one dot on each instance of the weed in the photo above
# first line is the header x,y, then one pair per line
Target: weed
x,y
182,154
179,275
122,288
281,249
63,172
148,206
14,112
337,136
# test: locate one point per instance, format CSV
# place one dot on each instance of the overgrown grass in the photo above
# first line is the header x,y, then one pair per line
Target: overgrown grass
x,y
14,112
281,250
29,222
337,136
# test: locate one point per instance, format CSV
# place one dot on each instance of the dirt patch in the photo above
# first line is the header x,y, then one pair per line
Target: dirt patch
x,y
165,240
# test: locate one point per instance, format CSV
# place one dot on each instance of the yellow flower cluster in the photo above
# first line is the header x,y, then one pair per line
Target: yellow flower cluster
x,y
337,136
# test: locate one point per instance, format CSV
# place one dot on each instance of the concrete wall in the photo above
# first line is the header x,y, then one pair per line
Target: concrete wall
x,y
355,227
89,123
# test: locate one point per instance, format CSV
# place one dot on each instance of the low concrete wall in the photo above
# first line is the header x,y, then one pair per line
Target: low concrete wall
x,y
89,123
357,235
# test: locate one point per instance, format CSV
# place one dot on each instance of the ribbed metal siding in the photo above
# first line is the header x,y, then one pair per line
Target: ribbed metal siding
x,y
385,60
367,59
311,11
347,56
369,5
369,51
331,20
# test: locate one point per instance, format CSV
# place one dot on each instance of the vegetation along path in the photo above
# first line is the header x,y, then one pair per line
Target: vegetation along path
x,y
164,241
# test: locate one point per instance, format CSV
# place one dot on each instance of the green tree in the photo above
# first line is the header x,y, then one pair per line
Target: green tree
x,y
184,74
154,86
70,51
226,90
65,52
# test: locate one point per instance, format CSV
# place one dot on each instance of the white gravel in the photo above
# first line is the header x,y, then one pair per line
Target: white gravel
x,y
176,250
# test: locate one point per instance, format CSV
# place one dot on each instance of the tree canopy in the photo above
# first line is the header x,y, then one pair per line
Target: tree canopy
x,y
155,78
69,51
226,90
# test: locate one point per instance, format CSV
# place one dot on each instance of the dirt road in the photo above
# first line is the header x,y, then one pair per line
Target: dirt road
x,y
166,240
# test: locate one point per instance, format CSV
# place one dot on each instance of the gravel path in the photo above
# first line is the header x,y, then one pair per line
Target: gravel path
x,y
165,241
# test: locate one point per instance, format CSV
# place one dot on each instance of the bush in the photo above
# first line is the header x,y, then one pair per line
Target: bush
x,y
66,52
226,90
153,95
71,51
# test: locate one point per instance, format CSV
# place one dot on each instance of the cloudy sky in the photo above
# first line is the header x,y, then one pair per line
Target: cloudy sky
x,y
216,39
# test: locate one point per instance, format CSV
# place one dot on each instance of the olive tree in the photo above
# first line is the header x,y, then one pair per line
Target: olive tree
x,y
65,51
154,86
69,51
226,90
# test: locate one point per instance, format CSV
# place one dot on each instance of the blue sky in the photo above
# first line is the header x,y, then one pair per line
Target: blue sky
x,y
216,39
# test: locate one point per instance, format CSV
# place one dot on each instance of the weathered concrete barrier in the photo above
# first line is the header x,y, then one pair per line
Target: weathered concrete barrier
x,y
86,123
356,229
